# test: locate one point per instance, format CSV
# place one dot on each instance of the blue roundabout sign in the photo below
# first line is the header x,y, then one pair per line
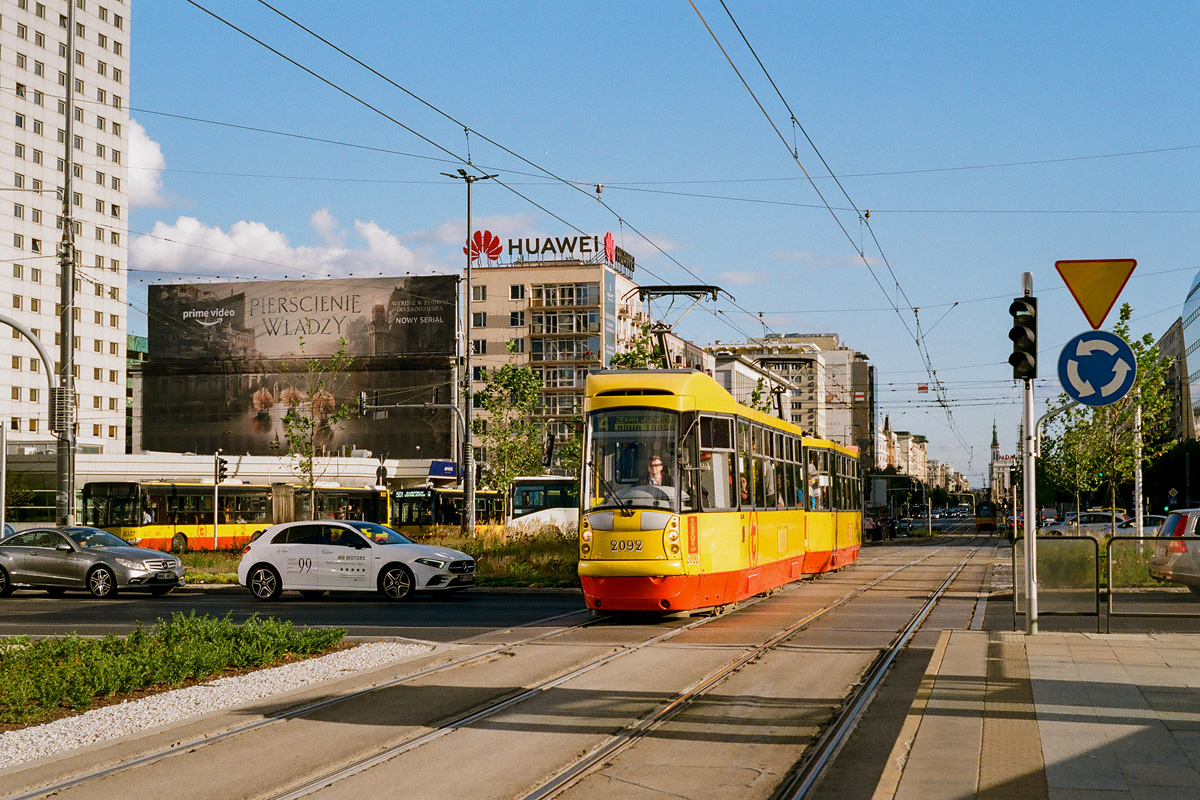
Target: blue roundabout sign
x,y
1097,368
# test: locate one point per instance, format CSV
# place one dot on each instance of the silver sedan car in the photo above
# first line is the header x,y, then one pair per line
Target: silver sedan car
x,y
58,559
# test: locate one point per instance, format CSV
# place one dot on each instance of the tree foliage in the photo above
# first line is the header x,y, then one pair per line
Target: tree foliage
x,y
511,435
642,353
313,414
760,397
1094,448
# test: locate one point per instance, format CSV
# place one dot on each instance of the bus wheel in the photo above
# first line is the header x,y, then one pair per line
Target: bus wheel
x,y
179,544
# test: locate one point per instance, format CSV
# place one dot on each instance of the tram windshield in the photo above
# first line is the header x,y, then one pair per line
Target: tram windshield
x,y
632,459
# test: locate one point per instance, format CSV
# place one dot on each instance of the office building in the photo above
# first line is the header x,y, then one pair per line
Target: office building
x,y
34,56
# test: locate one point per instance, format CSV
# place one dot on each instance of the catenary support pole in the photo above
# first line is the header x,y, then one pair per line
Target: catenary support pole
x,y
1029,434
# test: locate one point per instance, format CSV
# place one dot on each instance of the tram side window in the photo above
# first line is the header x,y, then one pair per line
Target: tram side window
x,y
745,466
717,474
689,464
818,479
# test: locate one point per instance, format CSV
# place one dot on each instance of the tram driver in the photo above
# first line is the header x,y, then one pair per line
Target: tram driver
x,y
657,476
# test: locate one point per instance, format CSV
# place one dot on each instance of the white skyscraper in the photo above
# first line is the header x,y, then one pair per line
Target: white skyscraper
x,y
33,83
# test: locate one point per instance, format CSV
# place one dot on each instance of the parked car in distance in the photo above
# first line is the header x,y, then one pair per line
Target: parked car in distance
x,y
1087,523
1177,559
315,557
58,559
1150,525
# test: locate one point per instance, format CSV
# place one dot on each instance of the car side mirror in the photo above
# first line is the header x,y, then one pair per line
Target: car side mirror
x,y
64,547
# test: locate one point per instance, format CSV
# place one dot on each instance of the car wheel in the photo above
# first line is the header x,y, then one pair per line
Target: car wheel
x,y
179,544
159,591
312,594
56,591
101,582
396,582
264,582
6,587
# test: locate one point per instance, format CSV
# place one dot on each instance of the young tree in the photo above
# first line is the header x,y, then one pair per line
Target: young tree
x,y
511,435
760,397
642,353
1099,443
313,414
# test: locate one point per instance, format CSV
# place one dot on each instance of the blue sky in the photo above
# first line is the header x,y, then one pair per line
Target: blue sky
x,y
987,140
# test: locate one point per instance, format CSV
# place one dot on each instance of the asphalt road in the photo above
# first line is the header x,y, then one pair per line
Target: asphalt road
x,y
436,618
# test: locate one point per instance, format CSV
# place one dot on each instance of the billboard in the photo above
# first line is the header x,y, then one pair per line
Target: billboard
x,y
226,363
271,319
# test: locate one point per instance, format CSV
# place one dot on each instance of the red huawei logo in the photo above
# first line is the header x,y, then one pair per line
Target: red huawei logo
x,y
610,248
484,243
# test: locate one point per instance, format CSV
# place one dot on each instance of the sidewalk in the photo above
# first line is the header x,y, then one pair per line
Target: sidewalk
x,y
1063,716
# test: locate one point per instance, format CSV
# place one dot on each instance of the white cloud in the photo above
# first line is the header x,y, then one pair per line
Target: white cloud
x,y
251,250
325,224
815,260
739,277
146,163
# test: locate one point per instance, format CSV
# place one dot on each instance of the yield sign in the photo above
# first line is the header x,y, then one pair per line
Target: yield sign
x,y
1096,285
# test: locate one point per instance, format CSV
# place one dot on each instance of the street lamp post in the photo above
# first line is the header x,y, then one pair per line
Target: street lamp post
x,y
468,449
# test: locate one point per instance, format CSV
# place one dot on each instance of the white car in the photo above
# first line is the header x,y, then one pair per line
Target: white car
x,y
331,555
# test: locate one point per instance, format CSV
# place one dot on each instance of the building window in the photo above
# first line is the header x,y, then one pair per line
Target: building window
x,y
478,294
478,374
479,319
16,393
97,374
33,425
33,393
14,424
516,292
16,363
516,319
35,305
518,345
479,347
96,430
20,120
112,376
112,431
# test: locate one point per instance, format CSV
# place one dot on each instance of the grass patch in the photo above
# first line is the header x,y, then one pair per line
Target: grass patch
x,y
42,680
546,557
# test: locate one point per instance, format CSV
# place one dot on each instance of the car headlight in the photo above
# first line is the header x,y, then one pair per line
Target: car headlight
x,y
432,562
125,562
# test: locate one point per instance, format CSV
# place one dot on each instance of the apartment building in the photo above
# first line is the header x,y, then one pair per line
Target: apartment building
x,y
34,53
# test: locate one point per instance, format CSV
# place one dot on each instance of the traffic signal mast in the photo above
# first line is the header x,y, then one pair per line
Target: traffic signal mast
x,y
1024,338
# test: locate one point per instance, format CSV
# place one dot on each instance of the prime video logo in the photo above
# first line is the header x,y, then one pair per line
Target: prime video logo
x,y
208,316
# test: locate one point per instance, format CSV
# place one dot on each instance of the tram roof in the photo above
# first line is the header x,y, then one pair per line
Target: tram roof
x,y
653,387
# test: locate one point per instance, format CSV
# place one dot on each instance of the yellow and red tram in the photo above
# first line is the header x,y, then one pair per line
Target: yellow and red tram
x,y
743,502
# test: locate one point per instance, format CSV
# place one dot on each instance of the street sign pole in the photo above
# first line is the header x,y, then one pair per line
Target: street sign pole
x,y
1028,433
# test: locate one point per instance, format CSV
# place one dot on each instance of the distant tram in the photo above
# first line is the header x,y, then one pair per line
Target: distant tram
x,y
179,516
691,500
985,517
419,510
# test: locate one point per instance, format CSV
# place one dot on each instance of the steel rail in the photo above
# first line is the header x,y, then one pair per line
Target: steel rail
x,y
308,708
443,729
601,754
817,760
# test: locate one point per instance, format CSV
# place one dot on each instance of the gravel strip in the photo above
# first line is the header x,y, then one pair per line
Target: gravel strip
x,y
123,719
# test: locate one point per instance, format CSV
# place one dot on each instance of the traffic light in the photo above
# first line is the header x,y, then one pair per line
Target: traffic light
x,y
222,469
1024,338
362,404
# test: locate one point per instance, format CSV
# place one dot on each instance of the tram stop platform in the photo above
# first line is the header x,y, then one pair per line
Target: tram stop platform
x,y
1062,716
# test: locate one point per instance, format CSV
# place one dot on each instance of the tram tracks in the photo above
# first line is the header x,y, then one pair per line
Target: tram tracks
x,y
589,761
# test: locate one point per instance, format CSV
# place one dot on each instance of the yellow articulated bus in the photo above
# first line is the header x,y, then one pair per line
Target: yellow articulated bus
x,y
179,516
691,500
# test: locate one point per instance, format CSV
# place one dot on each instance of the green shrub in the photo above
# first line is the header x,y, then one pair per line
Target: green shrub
x,y
37,679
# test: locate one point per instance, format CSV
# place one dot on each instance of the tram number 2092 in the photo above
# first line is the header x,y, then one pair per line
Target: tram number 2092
x,y
625,546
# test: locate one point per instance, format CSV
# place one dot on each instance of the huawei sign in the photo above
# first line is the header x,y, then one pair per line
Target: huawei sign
x,y
484,243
